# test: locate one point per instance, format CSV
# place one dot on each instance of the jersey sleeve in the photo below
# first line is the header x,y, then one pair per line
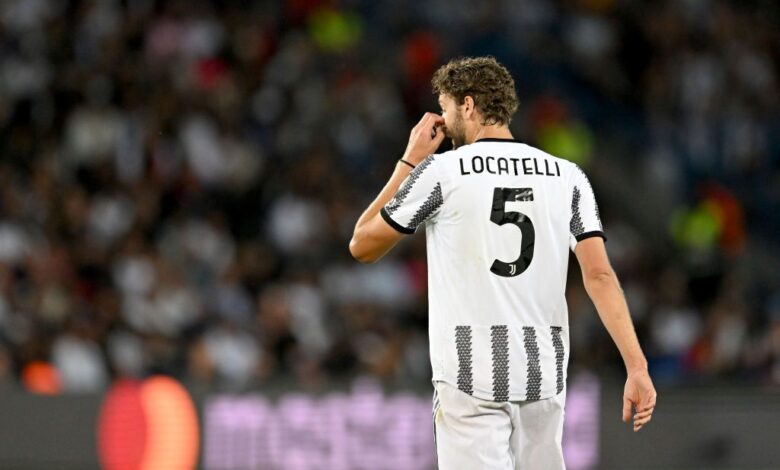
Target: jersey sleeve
x,y
585,220
418,200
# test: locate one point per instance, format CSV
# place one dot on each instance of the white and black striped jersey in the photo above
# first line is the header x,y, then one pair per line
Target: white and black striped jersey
x,y
500,217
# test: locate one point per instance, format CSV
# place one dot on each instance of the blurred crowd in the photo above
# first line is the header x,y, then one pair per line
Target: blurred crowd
x,y
179,181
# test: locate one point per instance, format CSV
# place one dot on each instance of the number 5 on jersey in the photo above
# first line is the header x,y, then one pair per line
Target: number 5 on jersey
x,y
499,216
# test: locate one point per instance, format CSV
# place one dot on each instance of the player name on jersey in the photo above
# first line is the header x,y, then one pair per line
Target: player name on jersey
x,y
508,166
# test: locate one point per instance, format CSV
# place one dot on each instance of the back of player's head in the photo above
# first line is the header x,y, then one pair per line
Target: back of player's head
x,y
485,80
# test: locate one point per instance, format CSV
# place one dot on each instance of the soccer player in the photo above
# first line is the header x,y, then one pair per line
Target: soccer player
x,y
500,217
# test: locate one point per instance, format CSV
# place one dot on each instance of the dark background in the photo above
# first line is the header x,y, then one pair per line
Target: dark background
x,y
179,181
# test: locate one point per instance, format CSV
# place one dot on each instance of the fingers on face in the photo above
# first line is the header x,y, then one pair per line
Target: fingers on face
x,y
425,124
440,134
432,120
432,126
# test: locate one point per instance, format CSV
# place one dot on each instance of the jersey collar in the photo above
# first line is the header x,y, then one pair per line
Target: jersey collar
x,y
496,139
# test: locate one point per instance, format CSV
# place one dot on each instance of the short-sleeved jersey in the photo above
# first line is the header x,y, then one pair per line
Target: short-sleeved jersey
x,y
500,217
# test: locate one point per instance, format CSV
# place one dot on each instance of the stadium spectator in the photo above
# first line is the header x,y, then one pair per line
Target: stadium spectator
x,y
178,179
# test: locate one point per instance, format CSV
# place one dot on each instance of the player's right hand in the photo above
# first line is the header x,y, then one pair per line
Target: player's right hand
x,y
425,138
639,395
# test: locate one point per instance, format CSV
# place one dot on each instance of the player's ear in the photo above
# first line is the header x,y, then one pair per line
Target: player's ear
x,y
468,106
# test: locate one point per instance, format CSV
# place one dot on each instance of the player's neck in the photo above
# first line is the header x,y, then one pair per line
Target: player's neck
x,y
490,132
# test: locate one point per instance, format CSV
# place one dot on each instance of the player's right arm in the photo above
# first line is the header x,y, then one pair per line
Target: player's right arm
x,y
603,288
375,231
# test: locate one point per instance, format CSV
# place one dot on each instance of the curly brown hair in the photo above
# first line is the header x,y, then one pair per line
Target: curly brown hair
x,y
485,80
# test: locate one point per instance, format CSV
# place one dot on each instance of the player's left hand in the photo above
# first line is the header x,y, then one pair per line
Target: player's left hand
x,y
639,395
425,138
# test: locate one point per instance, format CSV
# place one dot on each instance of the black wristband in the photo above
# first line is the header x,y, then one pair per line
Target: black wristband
x,y
404,161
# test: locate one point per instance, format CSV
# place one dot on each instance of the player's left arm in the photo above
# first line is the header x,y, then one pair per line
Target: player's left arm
x,y
373,236
601,283
603,288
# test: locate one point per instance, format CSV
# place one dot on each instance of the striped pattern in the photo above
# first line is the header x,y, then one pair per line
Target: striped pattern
x,y
471,345
463,345
533,389
406,187
576,226
587,181
499,341
430,206
559,355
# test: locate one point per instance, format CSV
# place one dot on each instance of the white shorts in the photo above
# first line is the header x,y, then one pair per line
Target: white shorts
x,y
473,434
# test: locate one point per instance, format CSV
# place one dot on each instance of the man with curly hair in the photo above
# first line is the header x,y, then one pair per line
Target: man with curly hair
x,y
500,218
